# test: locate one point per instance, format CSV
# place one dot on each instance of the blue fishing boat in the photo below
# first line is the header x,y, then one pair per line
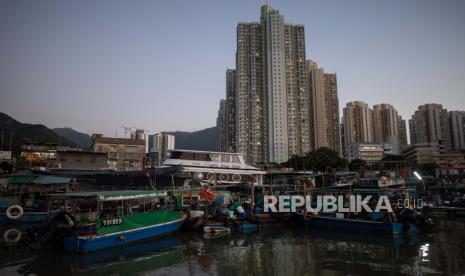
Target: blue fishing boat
x,y
13,214
24,200
355,225
107,219
407,220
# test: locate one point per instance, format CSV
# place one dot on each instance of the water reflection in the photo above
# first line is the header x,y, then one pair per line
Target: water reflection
x,y
268,251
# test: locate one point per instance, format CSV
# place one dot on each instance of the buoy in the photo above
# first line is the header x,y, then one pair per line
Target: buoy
x,y
14,212
236,177
122,238
211,176
224,177
12,235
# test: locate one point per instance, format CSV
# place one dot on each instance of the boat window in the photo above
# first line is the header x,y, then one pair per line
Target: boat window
x,y
235,159
201,156
215,157
225,158
176,155
198,156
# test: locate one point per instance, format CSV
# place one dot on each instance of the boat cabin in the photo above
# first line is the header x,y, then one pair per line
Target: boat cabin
x,y
108,206
208,167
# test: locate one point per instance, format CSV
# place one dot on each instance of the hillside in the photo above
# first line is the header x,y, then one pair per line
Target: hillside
x,y
27,133
78,138
204,139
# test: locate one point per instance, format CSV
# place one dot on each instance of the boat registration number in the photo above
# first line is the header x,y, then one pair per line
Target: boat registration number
x,y
113,221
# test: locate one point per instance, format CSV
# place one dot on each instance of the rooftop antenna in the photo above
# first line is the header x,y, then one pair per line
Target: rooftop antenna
x,y
127,130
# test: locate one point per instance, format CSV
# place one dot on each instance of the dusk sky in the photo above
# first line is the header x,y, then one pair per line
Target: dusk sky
x,y
98,65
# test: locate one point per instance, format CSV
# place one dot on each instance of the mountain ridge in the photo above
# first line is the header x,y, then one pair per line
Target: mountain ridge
x,y
204,139
24,132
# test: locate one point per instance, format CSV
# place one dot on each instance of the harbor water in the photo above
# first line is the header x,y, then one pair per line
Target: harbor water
x,y
276,250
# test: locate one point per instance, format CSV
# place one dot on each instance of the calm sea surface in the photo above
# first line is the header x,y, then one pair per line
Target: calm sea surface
x,y
268,251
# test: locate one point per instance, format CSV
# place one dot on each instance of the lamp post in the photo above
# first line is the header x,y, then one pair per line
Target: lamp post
x,y
418,176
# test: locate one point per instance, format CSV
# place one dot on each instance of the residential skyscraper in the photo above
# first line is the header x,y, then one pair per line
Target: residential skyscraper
x,y
402,126
358,123
271,90
430,124
272,24
250,135
323,108
317,106
385,124
457,129
296,90
230,109
412,127
343,140
221,127
332,112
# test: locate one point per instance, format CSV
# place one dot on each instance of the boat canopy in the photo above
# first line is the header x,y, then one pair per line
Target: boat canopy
x,y
112,195
21,179
41,179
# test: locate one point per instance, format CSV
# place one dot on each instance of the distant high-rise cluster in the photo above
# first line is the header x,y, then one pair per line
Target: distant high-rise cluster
x,y
436,136
279,104
358,123
385,124
430,124
276,105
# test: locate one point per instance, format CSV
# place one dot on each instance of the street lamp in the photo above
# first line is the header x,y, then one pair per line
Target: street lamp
x,y
418,176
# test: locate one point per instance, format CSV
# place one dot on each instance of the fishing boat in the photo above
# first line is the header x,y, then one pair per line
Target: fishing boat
x,y
24,200
350,224
108,219
406,220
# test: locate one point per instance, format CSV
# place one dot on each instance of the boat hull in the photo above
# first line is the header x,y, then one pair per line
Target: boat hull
x,y
90,244
353,225
27,217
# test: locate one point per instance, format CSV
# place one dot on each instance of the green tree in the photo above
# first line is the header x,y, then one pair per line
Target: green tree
x,y
391,157
322,159
357,164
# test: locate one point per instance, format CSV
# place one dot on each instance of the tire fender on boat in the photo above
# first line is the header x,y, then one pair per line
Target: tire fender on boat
x,y
12,235
14,212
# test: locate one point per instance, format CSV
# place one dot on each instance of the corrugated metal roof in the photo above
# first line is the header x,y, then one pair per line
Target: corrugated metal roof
x,y
48,179
41,179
